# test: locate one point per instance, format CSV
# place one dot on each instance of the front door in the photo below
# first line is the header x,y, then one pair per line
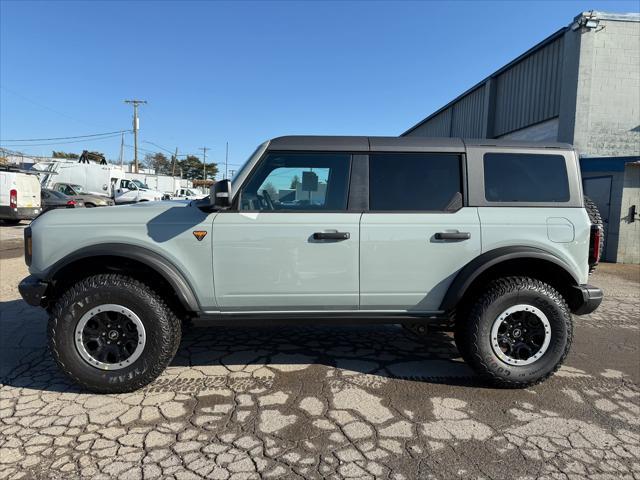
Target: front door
x,y
126,191
289,243
417,233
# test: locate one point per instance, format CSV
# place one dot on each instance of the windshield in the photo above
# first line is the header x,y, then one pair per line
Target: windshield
x,y
243,169
79,189
59,195
140,184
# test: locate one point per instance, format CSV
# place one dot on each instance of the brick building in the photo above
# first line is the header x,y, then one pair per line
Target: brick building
x,y
580,85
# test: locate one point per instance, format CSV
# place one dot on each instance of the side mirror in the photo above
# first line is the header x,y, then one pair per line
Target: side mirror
x,y
220,194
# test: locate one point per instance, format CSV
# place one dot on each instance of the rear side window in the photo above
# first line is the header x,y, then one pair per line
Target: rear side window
x,y
415,182
524,177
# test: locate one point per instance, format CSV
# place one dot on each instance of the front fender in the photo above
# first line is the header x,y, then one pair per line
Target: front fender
x,y
153,260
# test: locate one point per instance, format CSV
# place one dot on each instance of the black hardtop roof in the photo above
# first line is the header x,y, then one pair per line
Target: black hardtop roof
x,y
398,144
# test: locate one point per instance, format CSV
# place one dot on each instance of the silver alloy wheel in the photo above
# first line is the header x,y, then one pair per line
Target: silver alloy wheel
x,y
110,337
520,335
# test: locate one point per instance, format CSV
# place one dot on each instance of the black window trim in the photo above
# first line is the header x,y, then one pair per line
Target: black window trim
x,y
462,158
475,167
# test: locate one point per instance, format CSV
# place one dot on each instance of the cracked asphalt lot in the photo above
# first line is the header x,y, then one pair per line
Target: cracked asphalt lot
x,y
325,402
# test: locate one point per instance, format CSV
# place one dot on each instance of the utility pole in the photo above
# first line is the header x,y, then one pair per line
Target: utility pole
x,y
226,162
135,104
122,151
173,166
204,162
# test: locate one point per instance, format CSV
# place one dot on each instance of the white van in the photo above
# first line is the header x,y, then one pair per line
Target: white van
x,y
19,196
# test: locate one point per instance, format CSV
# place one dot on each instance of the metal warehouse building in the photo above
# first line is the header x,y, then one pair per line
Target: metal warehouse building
x,y
581,85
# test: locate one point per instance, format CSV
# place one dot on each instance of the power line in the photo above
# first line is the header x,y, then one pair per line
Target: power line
x,y
41,105
65,138
60,143
159,146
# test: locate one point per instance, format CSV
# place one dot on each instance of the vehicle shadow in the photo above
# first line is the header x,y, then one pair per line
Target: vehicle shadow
x,y
174,222
379,350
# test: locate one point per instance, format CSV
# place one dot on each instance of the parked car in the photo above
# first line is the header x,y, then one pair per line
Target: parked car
x,y
78,193
52,199
490,236
19,195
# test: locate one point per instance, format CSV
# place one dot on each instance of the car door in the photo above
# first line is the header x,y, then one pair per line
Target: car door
x,y
417,233
289,243
126,191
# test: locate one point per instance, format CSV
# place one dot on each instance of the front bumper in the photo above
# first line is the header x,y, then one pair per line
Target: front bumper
x,y
587,299
33,290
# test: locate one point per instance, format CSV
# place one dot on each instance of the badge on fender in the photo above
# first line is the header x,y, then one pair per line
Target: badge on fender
x,y
199,234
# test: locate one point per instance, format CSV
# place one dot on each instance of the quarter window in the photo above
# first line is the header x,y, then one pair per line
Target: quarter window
x,y
415,182
298,182
519,177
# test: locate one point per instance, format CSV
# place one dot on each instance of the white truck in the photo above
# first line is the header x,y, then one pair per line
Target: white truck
x,y
106,180
188,194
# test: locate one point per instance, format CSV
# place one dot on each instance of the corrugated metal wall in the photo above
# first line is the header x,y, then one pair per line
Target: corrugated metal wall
x,y
468,113
524,94
529,92
438,126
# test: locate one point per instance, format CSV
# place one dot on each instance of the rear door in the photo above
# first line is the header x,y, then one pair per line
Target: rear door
x,y
290,244
417,234
28,191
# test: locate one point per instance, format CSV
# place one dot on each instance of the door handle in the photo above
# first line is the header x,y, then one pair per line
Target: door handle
x,y
453,235
331,236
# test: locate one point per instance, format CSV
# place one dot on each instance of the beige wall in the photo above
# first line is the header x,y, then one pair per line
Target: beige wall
x,y
607,119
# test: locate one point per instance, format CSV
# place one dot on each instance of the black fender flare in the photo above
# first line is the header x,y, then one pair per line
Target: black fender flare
x,y
153,260
482,263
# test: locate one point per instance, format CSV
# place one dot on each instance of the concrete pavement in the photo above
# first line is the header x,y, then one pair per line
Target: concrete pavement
x,y
326,402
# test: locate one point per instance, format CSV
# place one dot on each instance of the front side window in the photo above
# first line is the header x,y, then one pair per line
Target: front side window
x,y
298,182
415,182
524,177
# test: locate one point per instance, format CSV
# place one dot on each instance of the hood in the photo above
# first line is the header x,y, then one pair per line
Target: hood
x,y
122,216
93,198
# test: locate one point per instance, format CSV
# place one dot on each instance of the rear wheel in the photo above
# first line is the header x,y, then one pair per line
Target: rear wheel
x,y
89,205
518,332
112,334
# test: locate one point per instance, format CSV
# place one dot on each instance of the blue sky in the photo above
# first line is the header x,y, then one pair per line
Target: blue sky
x,y
243,72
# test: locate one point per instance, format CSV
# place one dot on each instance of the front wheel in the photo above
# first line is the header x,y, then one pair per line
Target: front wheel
x,y
111,333
518,332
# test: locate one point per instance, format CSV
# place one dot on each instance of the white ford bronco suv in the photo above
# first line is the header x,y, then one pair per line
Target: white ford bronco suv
x,y
491,236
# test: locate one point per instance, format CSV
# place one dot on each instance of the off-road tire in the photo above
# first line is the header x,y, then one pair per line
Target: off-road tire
x,y
162,329
596,219
473,333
